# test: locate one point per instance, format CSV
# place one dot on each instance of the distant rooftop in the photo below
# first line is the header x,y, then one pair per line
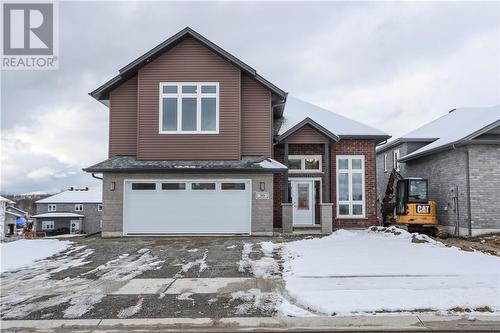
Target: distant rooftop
x,y
75,196
456,127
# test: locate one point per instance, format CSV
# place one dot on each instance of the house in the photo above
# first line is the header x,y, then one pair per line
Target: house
x,y
71,211
459,154
200,143
8,217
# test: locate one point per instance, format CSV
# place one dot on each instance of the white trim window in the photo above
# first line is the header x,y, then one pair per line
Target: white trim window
x,y
189,108
47,225
78,207
51,207
385,162
304,163
395,158
99,207
351,186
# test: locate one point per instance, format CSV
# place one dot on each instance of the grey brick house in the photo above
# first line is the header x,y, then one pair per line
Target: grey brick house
x,y
459,153
71,211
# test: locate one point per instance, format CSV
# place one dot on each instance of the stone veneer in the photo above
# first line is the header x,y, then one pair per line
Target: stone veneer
x,y
112,220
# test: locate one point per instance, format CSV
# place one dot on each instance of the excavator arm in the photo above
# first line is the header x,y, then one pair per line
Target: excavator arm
x,y
389,201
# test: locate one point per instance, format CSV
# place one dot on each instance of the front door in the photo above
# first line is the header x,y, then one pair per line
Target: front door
x,y
303,202
74,226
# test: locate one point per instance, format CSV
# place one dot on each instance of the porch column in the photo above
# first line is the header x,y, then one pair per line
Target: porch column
x,y
328,193
285,175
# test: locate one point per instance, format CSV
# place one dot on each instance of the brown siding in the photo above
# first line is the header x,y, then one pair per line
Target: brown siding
x,y
307,134
123,119
256,118
189,61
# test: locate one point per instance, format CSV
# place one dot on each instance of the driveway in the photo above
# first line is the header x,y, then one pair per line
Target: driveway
x,y
149,277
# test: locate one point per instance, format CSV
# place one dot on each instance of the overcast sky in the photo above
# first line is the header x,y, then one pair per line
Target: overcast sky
x,y
394,66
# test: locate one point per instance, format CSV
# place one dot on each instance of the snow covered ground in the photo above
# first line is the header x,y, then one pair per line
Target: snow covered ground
x,y
387,270
24,252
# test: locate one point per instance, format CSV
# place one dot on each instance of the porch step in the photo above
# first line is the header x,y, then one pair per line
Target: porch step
x,y
307,230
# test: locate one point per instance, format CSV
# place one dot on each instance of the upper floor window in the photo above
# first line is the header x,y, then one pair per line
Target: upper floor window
x,y
189,108
395,158
78,207
99,207
385,162
52,208
304,163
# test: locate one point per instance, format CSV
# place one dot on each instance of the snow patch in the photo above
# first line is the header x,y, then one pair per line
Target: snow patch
x,y
382,269
231,246
25,252
185,297
264,267
201,263
131,310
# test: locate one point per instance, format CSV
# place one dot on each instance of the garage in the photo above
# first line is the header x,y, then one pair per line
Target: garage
x,y
187,206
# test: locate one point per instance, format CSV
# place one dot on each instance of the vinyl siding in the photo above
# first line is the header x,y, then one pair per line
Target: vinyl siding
x,y
189,61
256,117
123,119
307,134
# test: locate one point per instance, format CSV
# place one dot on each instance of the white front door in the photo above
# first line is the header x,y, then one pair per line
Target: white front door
x,y
75,226
303,202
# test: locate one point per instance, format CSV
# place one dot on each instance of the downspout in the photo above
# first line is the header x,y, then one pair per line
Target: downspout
x,y
467,180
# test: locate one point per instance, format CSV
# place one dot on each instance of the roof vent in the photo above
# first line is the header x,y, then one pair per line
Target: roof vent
x,y
452,110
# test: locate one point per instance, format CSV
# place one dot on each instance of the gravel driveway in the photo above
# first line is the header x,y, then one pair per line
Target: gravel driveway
x,y
149,277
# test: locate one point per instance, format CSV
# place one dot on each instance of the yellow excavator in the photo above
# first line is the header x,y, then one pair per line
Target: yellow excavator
x,y
406,203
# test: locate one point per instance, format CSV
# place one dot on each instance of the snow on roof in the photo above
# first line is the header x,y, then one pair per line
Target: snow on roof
x,y
297,110
269,163
74,196
455,126
58,214
2,199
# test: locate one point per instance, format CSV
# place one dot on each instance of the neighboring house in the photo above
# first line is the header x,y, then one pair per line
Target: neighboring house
x,y
199,143
71,211
459,153
8,217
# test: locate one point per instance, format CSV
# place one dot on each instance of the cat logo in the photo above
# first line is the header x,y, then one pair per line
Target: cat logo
x,y
423,209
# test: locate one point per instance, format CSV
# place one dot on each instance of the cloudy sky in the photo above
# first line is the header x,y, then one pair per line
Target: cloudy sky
x,y
393,66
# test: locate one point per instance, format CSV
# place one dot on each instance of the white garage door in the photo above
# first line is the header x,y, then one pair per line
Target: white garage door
x,y
187,207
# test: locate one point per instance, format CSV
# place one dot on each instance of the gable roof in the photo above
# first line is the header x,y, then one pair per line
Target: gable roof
x,y
458,126
102,93
8,201
297,113
74,196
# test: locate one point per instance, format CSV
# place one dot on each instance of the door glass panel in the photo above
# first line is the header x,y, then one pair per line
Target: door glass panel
x,y
143,186
343,209
357,189
189,114
303,197
343,186
169,117
173,186
233,186
208,114
294,164
203,186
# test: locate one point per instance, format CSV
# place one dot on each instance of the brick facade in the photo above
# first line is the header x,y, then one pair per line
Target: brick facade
x,y
343,147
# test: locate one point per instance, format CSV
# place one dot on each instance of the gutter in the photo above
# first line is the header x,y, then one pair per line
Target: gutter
x,y
96,177
467,181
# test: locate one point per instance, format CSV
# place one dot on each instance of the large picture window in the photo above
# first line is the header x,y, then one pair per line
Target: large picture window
x,y
189,108
351,186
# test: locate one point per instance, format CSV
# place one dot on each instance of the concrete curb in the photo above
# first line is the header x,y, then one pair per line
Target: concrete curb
x,y
363,323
